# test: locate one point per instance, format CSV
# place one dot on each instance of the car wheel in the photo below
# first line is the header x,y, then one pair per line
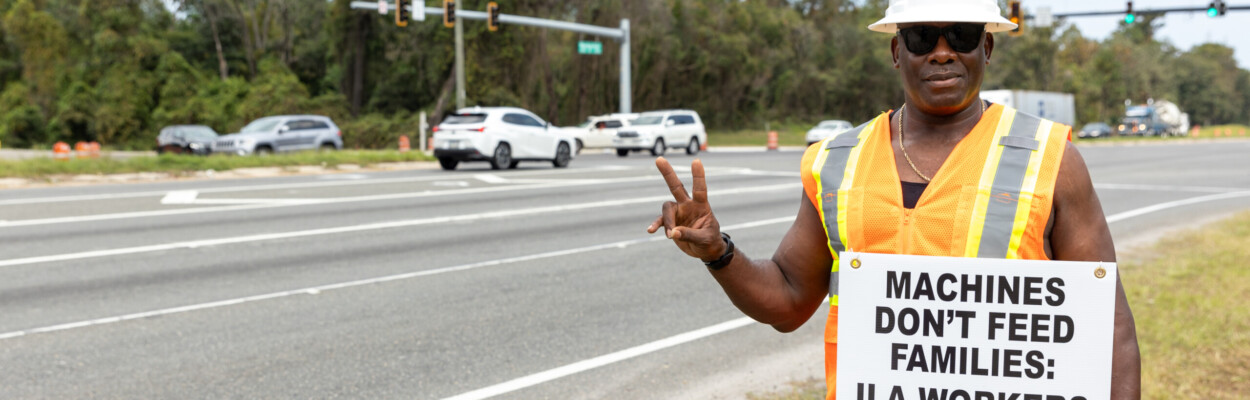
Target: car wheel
x,y
622,152
579,147
328,147
513,164
448,164
692,148
264,151
502,157
562,156
658,149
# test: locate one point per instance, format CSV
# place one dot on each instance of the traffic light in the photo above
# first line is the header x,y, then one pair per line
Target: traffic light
x,y
401,13
492,16
1016,17
1223,7
449,13
1129,17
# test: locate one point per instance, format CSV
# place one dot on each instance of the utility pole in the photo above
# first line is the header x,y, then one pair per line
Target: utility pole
x,y
459,64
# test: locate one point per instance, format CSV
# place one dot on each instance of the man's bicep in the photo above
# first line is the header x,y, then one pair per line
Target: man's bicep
x,y
1080,232
804,257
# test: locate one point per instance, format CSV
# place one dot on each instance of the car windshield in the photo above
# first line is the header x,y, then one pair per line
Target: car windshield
x,y
200,133
1138,111
648,120
1095,125
261,125
461,119
829,124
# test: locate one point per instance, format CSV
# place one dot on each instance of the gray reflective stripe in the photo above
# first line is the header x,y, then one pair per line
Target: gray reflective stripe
x,y
1000,212
843,141
1021,142
831,174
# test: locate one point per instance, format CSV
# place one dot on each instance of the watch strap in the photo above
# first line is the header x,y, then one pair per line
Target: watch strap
x,y
724,259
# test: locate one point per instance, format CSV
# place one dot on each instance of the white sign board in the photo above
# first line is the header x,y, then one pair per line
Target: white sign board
x,y
917,327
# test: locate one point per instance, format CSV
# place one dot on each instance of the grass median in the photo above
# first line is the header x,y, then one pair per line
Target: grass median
x,y
43,168
1191,301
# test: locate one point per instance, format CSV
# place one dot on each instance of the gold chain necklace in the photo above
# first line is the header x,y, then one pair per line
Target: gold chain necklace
x,y
904,150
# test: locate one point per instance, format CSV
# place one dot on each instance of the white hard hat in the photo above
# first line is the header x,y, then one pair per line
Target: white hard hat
x,y
976,11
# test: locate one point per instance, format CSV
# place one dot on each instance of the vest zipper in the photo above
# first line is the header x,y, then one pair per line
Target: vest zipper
x,y
906,231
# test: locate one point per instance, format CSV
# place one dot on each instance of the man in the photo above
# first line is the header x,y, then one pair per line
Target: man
x,y
907,183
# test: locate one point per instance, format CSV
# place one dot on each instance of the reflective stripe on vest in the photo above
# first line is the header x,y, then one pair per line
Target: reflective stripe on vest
x,y
1003,200
833,170
1005,191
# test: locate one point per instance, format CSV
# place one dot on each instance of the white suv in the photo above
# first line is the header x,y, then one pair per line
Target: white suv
x,y
657,131
280,134
503,136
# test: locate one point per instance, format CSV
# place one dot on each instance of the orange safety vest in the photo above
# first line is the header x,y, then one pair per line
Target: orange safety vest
x,y
998,208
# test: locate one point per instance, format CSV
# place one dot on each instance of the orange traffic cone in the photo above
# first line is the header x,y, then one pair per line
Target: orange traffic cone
x,y
772,140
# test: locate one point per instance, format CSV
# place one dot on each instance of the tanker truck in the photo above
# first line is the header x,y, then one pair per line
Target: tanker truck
x,y
1155,118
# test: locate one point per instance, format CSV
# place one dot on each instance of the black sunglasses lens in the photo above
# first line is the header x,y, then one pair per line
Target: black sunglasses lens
x,y
964,37
920,39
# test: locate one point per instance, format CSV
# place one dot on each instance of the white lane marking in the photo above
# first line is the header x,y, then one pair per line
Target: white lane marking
x,y
363,282
490,178
323,183
291,202
1173,204
180,197
451,183
1166,188
336,200
369,227
584,365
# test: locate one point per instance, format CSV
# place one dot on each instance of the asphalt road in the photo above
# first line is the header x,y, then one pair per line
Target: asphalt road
x,y
529,283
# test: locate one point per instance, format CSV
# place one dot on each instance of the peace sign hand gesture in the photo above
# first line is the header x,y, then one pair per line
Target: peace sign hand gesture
x,y
689,221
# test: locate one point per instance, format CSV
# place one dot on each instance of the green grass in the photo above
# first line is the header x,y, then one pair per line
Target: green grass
x,y
1190,297
789,134
42,168
1191,301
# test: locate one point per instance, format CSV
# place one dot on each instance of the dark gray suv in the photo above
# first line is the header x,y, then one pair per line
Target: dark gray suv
x,y
282,133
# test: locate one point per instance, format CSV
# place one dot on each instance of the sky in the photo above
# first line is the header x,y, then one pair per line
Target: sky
x,y
1183,30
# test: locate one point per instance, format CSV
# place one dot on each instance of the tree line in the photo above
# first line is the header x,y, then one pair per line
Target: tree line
x,y
116,71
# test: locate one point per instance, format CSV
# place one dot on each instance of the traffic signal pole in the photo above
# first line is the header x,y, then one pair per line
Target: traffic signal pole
x,y
620,34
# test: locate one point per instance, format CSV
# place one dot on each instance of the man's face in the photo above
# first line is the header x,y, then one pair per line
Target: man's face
x,y
942,81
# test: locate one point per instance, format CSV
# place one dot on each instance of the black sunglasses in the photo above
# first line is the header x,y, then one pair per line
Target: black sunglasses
x,y
922,39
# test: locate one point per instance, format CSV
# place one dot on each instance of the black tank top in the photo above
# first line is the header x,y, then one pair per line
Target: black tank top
x,y
912,192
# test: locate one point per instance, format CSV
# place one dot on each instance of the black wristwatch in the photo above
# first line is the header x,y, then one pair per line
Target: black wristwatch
x,y
724,259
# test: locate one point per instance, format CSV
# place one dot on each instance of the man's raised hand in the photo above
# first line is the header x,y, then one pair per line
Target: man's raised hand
x,y
688,220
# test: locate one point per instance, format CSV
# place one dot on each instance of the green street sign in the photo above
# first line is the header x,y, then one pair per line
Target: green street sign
x,y
592,48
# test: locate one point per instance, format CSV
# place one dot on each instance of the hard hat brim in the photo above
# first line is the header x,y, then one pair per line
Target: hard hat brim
x,y
993,22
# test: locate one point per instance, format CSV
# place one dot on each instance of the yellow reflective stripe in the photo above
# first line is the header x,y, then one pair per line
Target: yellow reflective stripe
x,y
833,300
844,191
817,165
977,225
1027,189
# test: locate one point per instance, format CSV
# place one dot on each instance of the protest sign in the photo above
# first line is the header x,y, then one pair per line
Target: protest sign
x,y
946,328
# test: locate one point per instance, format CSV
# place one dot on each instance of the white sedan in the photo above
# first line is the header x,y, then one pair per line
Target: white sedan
x,y
826,129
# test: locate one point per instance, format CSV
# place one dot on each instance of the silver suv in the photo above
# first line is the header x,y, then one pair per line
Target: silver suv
x,y
282,133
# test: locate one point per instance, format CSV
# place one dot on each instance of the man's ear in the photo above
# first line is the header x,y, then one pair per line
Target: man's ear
x,y
989,46
894,50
